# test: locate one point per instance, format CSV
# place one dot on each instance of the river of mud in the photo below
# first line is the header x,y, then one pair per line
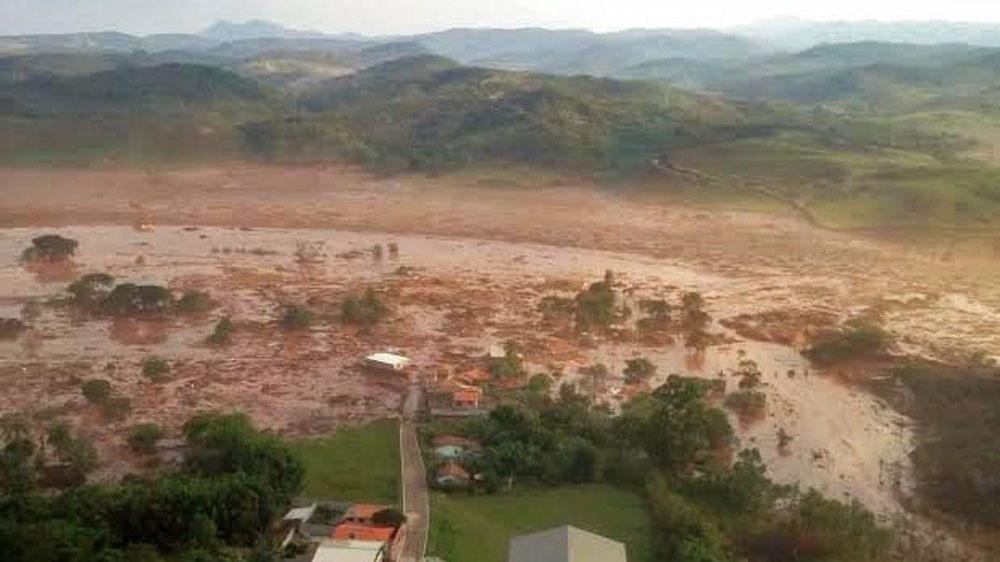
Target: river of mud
x,y
448,296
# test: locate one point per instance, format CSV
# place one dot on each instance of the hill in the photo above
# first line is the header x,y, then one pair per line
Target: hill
x,y
430,112
144,114
795,34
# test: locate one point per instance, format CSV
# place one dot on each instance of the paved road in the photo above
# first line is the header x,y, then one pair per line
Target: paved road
x,y
416,502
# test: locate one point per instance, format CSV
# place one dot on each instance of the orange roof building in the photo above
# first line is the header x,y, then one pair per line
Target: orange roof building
x,y
361,513
360,532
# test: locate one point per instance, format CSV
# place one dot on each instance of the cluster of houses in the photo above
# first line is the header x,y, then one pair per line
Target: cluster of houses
x,y
357,535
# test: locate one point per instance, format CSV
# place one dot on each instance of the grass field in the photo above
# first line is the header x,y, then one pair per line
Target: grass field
x,y
477,529
359,463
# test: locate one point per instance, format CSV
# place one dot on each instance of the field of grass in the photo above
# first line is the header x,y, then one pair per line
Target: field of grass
x,y
477,529
358,463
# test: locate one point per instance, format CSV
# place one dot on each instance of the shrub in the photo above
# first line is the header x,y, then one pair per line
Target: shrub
x,y
129,298
91,289
296,317
595,307
857,340
194,301
142,438
365,310
155,368
638,371
116,408
50,247
96,391
747,402
223,332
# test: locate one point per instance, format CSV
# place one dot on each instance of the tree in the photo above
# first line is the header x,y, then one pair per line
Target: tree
x,y
858,339
129,298
638,371
116,408
365,310
509,366
295,317
595,307
143,437
389,518
222,333
91,289
679,430
194,301
155,368
76,451
50,247
96,391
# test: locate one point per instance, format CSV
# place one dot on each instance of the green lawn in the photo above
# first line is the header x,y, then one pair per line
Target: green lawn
x,y
476,529
359,463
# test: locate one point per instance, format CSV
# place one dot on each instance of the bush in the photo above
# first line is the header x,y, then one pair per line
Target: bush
x,y
50,247
638,371
858,340
595,307
116,408
129,298
142,438
223,332
365,310
91,289
194,301
96,391
747,402
296,317
155,368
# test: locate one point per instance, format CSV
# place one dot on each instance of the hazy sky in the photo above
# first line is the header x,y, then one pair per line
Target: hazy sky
x,y
408,16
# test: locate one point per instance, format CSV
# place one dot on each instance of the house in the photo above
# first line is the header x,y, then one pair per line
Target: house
x,y
473,377
452,447
359,532
387,362
336,550
296,522
452,474
466,398
565,544
362,514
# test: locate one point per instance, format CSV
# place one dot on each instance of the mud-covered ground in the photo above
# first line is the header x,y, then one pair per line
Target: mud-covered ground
x,y
474,262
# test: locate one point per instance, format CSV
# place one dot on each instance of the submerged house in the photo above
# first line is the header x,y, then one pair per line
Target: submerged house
x,y
565,544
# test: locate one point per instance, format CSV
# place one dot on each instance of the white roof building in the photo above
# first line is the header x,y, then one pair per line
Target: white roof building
x,y
565,544
390,361
333,550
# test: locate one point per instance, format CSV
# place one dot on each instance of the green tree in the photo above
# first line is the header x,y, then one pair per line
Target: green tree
x,y
595,307
90,290
222,334
365,310
194,301
143,437
50,247
639,370
96,391
295,317
155,368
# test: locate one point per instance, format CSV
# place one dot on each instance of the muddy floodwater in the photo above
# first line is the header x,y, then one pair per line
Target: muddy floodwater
x,y
449,298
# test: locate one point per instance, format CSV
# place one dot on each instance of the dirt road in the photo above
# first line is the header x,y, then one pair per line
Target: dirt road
x,y
416,503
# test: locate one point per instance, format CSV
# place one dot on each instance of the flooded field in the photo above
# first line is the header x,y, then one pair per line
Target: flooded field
x,y
450,299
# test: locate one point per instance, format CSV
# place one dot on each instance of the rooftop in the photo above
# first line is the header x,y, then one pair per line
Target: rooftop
x,y
363,511
391,359
565,544
356,531
333,550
